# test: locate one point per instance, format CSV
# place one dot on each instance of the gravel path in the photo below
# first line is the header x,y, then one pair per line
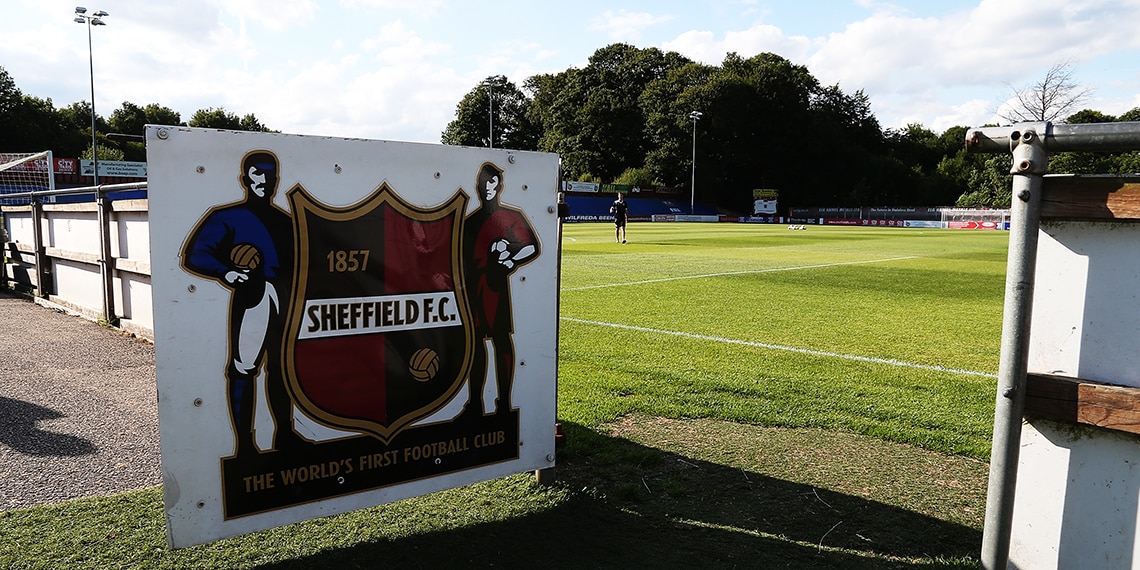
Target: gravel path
x,y
78,411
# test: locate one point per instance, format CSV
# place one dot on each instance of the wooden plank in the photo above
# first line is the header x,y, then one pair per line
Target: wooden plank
x,y
1113,407
1083,401
1091,198
1053,397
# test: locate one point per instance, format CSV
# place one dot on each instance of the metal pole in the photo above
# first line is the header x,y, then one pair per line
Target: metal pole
x,y
693,183
490,113
40,253
1088,137
106,262
1030,163
91,65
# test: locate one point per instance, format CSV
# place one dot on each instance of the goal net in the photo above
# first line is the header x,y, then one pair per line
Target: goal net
x,y
972,219
25,172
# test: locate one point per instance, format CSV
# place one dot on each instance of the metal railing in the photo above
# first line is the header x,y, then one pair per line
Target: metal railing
x,y
1030,144
106,262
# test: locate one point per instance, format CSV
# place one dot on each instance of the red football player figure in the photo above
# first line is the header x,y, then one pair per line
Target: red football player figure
x,y
497,240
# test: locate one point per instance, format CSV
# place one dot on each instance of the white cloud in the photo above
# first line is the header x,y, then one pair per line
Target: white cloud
x,y
418,7
279,15
625,25
703,46
397,44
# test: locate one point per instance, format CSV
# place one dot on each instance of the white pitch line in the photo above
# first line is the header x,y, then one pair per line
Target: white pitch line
x,y
772,270
808,351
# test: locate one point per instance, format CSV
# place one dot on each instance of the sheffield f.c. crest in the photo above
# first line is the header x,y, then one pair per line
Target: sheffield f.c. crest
x,y
379,333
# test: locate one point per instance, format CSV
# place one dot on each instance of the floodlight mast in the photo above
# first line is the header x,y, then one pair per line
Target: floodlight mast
x,y
81,17
693,183
106,264
489,83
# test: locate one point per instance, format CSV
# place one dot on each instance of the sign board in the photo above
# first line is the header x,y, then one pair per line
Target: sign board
x,y
344,323
764,200
581,186
113,168
60,166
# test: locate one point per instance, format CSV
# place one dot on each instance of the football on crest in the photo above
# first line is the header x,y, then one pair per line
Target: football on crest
x,y
423,364
245,256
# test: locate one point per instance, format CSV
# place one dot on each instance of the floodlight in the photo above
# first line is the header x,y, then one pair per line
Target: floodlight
x,y
80,10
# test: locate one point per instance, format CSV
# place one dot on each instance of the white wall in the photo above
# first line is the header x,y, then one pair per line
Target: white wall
x,y
1078,486
71,239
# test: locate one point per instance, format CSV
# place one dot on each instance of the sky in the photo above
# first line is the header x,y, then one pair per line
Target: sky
x,y
395,69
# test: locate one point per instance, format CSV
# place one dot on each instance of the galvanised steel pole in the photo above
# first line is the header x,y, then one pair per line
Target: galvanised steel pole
x,y
1030,163
1031,145
1088,137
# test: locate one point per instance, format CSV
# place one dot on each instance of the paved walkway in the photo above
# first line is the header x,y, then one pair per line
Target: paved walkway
x,y
78,410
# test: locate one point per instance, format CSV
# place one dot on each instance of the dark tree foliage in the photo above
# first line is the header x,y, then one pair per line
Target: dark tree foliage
x,y
130,119
765,123
31,124
592,116
220,118
494,113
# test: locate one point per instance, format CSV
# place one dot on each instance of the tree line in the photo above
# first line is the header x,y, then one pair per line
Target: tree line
x,y
627,117
30,124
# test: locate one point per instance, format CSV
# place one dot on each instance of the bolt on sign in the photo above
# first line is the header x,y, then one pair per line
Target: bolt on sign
x,y
342,323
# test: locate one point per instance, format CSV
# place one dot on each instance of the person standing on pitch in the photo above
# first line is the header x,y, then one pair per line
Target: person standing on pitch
x,y
620,210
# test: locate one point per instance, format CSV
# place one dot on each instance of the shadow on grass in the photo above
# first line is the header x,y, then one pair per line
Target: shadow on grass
x,y
633,506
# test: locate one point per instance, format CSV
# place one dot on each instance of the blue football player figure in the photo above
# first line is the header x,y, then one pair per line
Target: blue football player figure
x,y
247,247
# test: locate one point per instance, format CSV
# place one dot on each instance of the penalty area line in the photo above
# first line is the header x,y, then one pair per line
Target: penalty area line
x,y
807,351
746,272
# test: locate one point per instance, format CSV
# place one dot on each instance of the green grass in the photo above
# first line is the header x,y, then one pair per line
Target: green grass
x,y
733,396
838,328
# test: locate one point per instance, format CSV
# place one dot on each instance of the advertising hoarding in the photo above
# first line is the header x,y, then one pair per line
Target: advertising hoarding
x,y
337,322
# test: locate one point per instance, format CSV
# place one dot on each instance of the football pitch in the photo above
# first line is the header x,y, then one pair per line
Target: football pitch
x,y
684,354
887,332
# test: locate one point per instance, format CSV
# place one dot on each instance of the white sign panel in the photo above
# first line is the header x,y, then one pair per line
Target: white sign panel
x,y
343,323
113,168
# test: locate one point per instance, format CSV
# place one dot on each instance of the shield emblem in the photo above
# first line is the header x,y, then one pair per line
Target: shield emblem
x,y
379,334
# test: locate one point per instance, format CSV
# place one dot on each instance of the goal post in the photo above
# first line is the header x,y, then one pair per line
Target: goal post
x,y
22,172
975,219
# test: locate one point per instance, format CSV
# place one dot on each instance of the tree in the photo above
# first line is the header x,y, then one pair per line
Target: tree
x,y
131,119
986,177
493,107
29,124
636,177
667,104
1054,96
128,119
158,115
219,118
249,122
593,116
105,153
